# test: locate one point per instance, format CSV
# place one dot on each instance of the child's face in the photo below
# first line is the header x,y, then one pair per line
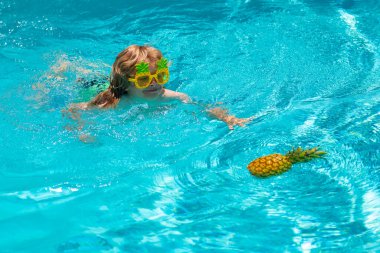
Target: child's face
x,y
154,90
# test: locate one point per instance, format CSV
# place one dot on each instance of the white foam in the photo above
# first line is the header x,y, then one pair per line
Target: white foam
x,y
44,193
349,19
351,22
371,211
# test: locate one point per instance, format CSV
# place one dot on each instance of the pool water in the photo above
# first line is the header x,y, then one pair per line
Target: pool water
x,y
166,177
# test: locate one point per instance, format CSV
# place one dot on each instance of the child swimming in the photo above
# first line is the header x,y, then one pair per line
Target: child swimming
x,y
140,72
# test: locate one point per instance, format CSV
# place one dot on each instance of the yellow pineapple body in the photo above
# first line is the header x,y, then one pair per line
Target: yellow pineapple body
x,y
275,164
269,165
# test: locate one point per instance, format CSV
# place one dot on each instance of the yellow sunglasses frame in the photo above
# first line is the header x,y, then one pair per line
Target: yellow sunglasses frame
x,y
134,80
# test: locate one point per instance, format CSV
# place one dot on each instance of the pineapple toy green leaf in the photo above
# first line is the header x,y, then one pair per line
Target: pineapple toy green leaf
x,y
275,164
142,68
162,63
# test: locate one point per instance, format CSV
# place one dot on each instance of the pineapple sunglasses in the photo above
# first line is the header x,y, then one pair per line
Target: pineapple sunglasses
x,y
143,77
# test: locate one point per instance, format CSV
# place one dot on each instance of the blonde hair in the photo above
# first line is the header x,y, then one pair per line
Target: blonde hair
x,y
124,68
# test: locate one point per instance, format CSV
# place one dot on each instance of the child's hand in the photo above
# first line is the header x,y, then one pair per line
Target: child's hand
x,y
78,106
230,120
233,121
87,138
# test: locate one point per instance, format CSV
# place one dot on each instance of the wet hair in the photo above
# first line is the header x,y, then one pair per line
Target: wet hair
x,y
124,68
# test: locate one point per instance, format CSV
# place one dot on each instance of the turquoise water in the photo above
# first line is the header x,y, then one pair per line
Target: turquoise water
x,y
165,177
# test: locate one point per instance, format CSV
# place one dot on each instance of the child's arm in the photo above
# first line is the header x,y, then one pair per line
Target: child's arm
x,y
74,114
170,94
216,112
104,99
230,120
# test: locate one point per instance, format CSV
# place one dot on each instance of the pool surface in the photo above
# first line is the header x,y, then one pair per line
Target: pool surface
x,y
164,177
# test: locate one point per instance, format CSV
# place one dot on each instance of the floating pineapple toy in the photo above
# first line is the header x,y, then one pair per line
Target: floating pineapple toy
x,y
275,164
